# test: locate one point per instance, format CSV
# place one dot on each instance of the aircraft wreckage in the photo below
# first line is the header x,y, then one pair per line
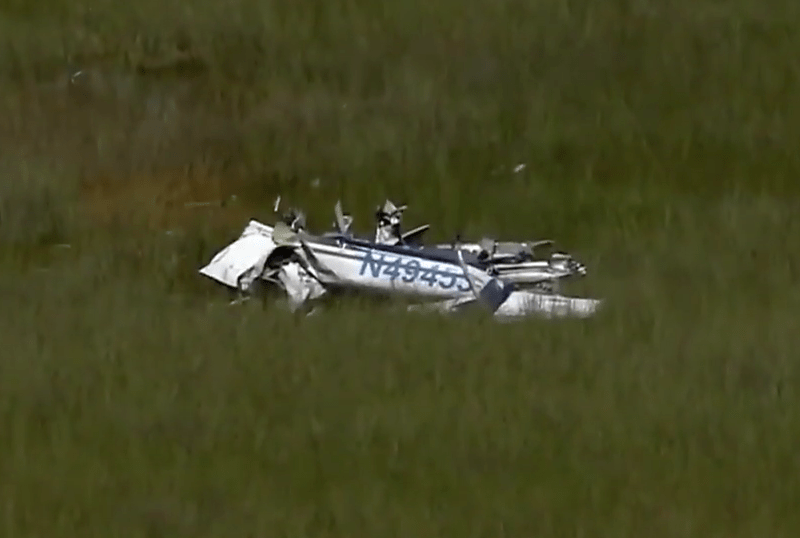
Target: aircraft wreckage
x,y
506,278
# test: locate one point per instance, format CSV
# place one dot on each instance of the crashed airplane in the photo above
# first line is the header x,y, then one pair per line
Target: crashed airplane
x,y
504,278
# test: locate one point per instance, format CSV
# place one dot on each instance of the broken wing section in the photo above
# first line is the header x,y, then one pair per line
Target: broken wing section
x,y
520,305
524,303
241,262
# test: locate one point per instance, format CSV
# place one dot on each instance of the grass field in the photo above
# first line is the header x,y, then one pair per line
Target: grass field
x,y
660,141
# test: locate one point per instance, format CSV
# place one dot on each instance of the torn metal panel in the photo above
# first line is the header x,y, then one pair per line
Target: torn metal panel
x,y
300,286
241,262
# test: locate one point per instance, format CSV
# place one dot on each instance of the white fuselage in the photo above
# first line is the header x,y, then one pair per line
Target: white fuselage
x,y
392,272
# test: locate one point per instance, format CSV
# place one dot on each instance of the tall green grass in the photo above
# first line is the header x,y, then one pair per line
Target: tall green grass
x,y
658,139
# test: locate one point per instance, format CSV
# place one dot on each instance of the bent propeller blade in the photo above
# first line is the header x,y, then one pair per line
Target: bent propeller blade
x,y
343,227
415,233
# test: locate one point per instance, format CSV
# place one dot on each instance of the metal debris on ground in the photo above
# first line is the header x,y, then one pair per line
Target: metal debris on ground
x,y
506,278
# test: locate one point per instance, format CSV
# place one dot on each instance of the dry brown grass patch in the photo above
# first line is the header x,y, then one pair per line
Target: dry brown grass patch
x,y
179,198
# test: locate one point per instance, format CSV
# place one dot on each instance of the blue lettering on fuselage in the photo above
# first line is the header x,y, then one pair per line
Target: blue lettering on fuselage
x,y
411,270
